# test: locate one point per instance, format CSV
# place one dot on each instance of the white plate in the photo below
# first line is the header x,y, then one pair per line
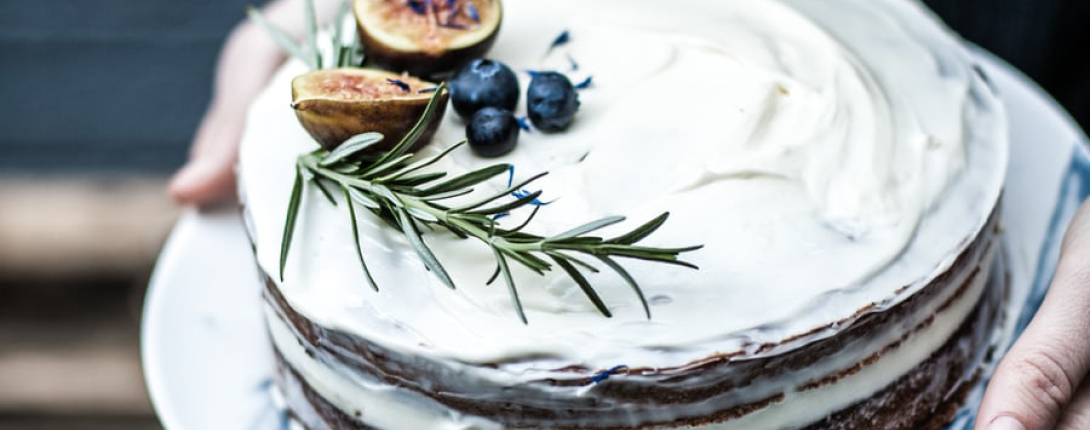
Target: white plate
x,y
207,357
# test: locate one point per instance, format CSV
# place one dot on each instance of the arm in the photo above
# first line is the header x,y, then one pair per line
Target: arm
x,y
246,63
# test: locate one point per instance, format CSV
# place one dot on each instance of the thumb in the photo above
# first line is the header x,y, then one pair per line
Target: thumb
x,y
1040,375
204,181
209,176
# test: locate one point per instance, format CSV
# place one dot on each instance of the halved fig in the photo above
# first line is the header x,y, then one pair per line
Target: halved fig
x,y
335,104
430,38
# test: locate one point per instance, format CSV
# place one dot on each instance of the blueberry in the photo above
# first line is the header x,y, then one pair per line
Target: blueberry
x,y
551,101
492,132
484,83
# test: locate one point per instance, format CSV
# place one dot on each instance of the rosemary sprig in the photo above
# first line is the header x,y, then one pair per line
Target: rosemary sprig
x,y
344,53
391,186
312,31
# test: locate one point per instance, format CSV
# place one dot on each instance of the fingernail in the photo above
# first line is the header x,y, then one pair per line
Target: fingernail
x,y
1006,423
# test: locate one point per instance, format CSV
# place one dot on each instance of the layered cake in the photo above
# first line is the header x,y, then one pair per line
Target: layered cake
x,y
840,162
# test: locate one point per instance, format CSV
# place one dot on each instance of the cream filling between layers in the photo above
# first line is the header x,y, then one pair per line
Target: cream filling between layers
x,y
388,407
824,166
376,403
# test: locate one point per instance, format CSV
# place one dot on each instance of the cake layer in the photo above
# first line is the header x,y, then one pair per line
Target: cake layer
x,y
786,391
927,398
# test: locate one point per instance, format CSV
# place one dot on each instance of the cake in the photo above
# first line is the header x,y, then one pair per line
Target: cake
x,y
841,162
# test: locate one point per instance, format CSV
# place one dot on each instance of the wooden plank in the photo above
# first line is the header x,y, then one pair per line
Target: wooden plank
x,y
99,378
73,226
71,348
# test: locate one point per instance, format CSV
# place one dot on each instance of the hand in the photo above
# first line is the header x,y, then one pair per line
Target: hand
x,y
1041,383
248,59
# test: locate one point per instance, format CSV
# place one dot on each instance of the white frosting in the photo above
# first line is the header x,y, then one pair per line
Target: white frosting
x,y
827,154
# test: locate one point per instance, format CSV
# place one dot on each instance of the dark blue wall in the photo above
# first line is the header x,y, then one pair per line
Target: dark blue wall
x,y
1047,39
106,84
121,84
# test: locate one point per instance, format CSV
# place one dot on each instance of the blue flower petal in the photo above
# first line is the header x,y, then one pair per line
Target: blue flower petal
x,y
400,84
585,84
518,194
605,374
560,40
476,17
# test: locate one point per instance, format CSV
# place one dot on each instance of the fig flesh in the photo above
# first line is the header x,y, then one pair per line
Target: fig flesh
x,y
336,104
430,38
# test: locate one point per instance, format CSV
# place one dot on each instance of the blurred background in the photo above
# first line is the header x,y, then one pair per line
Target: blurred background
x,y
101,98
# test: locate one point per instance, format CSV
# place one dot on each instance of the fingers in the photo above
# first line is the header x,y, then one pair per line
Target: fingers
x,y
203,183
1039,377
247,62
209,176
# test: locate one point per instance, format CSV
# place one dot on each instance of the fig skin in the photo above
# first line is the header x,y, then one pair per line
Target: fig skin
x,y
420,62
331,120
